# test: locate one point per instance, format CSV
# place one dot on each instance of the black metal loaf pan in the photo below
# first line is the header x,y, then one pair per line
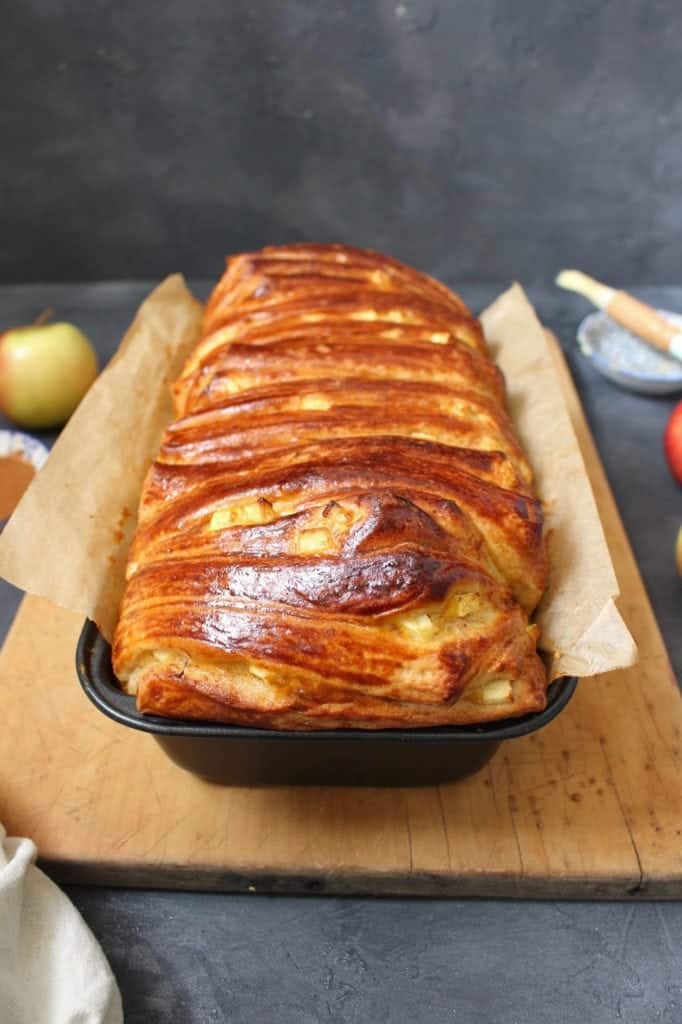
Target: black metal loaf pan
x,y
239,755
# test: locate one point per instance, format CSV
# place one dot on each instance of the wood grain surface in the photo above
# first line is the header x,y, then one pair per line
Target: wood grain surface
x,y
588,807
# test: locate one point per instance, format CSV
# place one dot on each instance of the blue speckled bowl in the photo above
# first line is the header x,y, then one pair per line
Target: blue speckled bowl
x,y
12,442
626,359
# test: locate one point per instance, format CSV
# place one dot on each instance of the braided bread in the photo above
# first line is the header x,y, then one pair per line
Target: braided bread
x,y
340,528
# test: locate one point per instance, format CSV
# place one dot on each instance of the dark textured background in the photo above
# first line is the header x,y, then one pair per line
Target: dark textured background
x,y
494,138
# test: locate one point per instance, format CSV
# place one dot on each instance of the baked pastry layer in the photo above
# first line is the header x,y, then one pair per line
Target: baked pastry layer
x,y
340,528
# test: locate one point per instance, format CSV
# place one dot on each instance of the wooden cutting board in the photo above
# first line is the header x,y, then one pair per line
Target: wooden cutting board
x,y
590,806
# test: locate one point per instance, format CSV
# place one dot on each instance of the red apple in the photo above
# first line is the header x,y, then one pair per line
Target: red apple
x,y
45,370
672,442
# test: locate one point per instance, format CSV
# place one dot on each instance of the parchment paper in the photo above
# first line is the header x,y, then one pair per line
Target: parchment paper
x,y
68,538
580,626
69,535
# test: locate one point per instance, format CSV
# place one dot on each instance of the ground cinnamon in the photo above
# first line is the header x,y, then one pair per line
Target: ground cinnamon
x,y
15,476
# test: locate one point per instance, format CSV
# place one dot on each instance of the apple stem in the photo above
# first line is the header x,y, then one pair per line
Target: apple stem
x,y
44,317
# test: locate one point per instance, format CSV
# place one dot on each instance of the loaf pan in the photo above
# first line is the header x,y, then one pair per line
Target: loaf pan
x,y
241,756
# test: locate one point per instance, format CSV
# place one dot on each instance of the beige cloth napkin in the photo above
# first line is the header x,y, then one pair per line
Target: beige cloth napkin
x,y
52,971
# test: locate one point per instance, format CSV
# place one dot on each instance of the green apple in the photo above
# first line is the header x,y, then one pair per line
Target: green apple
x,y
678,551
45,369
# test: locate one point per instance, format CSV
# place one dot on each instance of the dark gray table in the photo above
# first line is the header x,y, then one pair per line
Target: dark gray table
x,y
197,958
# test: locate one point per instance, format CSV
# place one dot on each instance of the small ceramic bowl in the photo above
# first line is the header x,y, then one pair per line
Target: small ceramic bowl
x,y
12,442
626,359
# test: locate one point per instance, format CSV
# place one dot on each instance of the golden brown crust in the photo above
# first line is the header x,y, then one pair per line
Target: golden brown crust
x,y
340,529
